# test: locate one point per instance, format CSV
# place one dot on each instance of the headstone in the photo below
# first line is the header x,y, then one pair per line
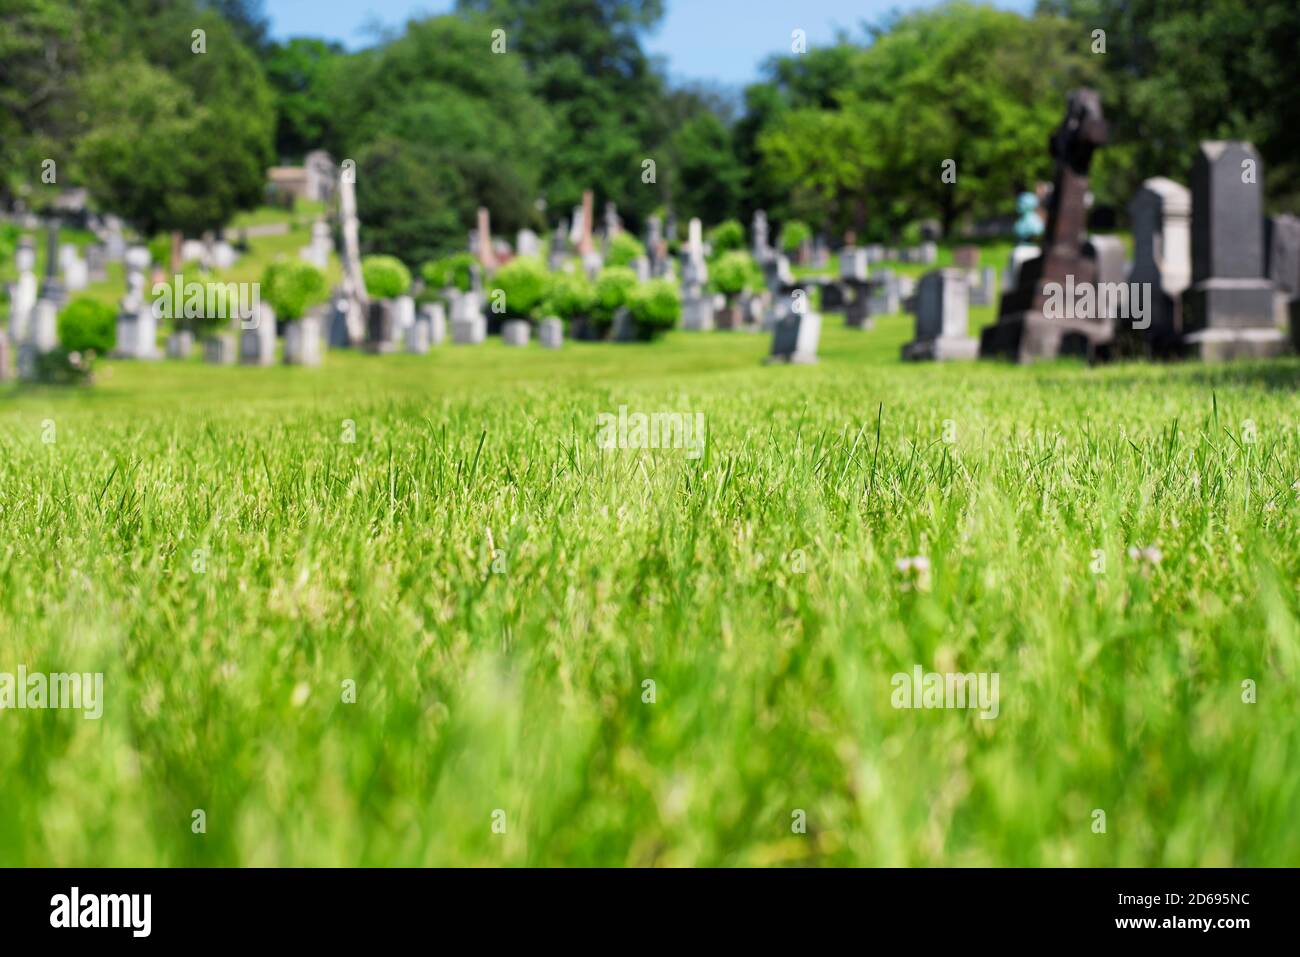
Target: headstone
x,y
418,337
1228,311
1160,213
24,293
559,248
1108,256
96,263
832,296
883,298
219,348
641,265
468,324
486,255
966,257
761,236
1283,247
1023,332
224,255
585,245
318,251
853,264
302,341
354,287
927,253
550,333
516,332
180,344
984,288
257,337
137,330
435,316
114,240
527,243
796,330
942,317
383,326
697,305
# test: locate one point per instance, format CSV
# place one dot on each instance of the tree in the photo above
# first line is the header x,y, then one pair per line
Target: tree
x,y
1176,72
586,63
945,113
301,74
438,127
178,141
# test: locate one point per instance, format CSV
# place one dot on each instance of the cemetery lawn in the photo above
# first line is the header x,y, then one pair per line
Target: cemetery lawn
x,y
499,589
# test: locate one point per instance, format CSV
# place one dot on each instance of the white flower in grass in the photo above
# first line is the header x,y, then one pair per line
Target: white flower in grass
x,y
914,572
301,692
1149,555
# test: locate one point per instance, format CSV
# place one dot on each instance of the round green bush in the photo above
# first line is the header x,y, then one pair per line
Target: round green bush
x,y
88,325
524,282
727,237
623,250
571,296
613,287
453,271
291,287
733,273
794,235
655,306
386,277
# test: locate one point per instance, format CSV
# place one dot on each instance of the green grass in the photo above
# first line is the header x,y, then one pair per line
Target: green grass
x,y
755,586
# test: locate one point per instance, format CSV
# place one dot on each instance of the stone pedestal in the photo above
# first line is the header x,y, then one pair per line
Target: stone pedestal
x,y
382,329
418,337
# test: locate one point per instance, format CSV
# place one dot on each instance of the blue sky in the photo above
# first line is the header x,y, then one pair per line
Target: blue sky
x,y
722,41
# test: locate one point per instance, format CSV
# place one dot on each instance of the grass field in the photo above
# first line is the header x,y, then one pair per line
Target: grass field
x,y
499,589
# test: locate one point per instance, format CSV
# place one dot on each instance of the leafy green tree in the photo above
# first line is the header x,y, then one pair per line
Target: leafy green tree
x,y
1176,72
707,174
614,286
726,237
302,74
438,127
624,249
585,61
87,324
571,296
180,142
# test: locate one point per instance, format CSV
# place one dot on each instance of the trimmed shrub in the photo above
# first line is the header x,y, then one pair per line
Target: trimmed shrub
x,y
451,271
727,237
386,277
87,325
524,282
291,287
656,306
613,287
794,235
623,250
733,273
571,296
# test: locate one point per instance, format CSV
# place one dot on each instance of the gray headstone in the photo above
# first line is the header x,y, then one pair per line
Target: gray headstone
x,y
942,301
516,332
550,333
1228,312
302,341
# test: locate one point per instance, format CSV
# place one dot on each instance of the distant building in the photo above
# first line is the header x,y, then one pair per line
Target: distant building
x,y
313,181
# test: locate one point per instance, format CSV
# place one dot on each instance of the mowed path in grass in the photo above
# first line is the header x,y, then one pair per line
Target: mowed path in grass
x,y
498,591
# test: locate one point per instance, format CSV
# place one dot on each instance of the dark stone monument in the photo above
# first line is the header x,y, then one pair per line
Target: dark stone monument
x,y
1284,269
1022,333
1228,311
